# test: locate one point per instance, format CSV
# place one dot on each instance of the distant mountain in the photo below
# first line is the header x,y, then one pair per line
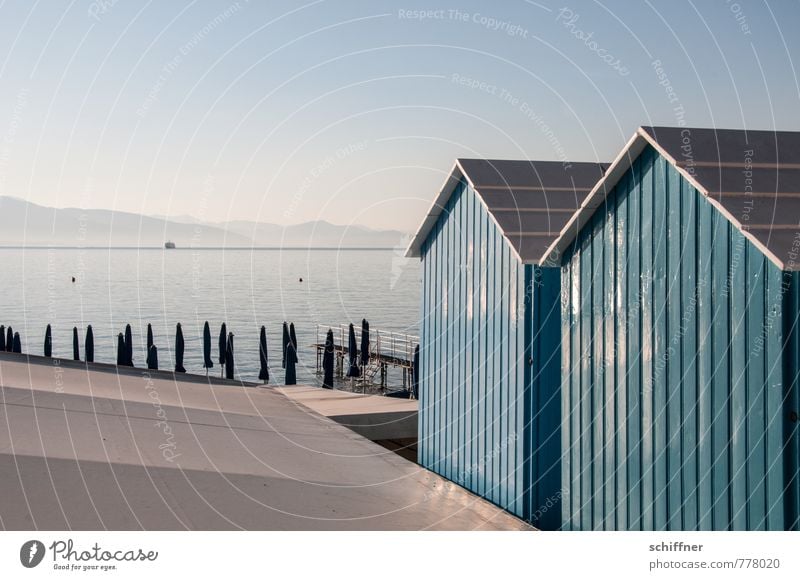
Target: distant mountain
x,y
30,224
26,223
181,219
314,234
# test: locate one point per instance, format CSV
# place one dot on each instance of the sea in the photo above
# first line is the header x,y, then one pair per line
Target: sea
x,y
245,288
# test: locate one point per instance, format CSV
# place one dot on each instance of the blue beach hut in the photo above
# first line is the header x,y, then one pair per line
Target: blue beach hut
x,y
489,378
679,339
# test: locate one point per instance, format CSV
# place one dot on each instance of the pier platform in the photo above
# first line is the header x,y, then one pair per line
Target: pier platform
x,y
85,448
386,349
389,421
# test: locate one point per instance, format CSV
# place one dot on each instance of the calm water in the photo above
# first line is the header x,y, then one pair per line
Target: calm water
x,y
243,288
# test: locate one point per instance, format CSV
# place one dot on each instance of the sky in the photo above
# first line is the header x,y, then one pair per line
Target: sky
x,y
353,112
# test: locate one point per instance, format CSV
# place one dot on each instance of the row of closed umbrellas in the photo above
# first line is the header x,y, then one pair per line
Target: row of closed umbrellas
x,y
355,355
10,341
358,357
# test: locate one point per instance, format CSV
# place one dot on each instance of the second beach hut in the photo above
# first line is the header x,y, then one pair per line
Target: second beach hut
x,y
489,358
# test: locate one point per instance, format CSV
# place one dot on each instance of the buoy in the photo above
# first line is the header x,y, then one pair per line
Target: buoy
x,y
301,279
73,279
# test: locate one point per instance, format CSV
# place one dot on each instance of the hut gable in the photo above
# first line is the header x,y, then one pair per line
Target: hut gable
x,y
751,177
529,201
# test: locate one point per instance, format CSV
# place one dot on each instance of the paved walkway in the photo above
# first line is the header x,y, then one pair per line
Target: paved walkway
x,y
374,416
95,449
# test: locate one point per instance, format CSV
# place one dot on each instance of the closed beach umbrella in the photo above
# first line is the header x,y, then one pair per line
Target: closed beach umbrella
x,y
128,345
291,373
327,361
152,358
76,352
149,337
48,342
2,337
179,349
293,340
284,344
229,357
364,342
352,353
120,350
9,339
88,345
263,374
207,362
415,373
17,343
223,337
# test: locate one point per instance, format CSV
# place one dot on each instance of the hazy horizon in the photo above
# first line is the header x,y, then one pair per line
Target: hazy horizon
x,y
195,219
24,223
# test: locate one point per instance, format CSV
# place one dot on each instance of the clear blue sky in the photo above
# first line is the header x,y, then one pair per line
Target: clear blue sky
x,y
353,111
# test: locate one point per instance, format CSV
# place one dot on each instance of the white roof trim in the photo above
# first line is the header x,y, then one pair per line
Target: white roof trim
x,y
623,162
456,174
552,256
415,247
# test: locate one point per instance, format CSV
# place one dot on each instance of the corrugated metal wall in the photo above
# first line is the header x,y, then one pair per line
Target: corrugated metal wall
x,y
472,373
474,402
673,386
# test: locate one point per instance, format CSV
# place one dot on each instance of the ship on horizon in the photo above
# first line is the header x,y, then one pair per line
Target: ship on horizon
x,y
169,246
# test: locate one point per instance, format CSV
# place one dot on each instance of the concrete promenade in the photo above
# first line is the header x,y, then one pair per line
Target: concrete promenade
x,y
373,416
100,449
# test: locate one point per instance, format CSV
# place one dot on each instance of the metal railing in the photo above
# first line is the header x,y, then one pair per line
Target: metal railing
x,y
386,348
383,344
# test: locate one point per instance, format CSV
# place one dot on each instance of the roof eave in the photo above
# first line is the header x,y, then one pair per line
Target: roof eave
x,y
485,206
596,197
414,249
456,174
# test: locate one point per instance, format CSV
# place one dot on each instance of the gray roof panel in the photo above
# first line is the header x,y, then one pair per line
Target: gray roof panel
x,y
528,200
531,201
531,245
762,167
772,180
762,210
505,174
728,145
532,222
